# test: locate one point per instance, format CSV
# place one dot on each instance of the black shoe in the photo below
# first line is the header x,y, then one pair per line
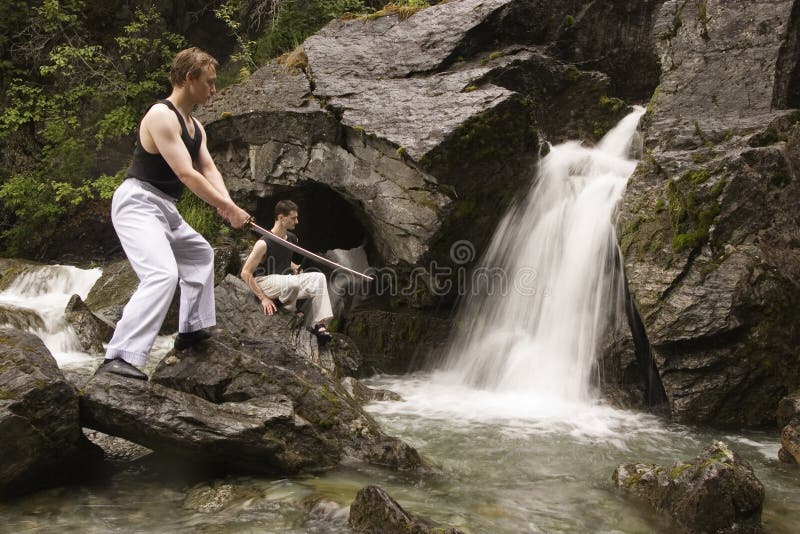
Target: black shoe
x,y
121,368
190,339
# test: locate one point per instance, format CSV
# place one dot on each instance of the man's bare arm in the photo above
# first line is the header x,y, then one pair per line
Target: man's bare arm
x,y
250,265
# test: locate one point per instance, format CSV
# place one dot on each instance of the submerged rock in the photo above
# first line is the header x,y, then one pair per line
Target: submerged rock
x,y
374,511
715,492
42,443
363,394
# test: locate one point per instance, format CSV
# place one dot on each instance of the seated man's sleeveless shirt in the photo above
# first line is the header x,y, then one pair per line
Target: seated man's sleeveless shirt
x,y
278,259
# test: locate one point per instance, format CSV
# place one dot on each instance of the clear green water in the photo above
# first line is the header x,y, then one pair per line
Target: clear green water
x,y
503,466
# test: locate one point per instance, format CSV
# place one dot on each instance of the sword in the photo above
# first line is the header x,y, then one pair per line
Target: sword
x,y
300,250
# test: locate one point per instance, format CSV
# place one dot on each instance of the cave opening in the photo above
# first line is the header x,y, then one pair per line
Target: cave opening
x,y
326,220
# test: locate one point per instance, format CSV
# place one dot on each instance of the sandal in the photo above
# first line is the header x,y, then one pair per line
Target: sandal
x,y
323,336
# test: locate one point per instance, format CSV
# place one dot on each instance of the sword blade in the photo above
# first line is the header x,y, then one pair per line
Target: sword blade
x,y
300,250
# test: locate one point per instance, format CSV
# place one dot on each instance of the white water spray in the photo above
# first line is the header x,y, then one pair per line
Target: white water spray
x,y
35,302
538,332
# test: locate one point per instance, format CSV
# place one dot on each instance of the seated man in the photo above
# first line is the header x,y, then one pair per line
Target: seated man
x,y
272,275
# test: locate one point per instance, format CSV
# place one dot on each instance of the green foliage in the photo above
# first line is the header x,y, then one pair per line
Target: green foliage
x,y
76,97
200,216
295,20
693,207
244,56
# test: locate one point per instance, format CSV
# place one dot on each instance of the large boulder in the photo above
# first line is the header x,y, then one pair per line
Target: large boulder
x,y
375,512
42,441
229,370
708,224
259,436
715,492
422,129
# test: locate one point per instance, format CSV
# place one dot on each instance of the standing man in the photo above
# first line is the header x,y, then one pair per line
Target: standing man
x,y
272,275
171,153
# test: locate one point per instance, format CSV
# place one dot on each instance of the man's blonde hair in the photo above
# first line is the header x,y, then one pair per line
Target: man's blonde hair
x,y
191,61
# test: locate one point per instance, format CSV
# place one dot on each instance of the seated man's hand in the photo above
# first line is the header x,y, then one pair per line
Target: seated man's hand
x,y
268,306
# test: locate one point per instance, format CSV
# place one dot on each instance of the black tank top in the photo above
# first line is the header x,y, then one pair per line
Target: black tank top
x,y
154,169
278,258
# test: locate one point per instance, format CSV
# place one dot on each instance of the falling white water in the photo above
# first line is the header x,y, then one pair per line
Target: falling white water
x,y
35,301
535,329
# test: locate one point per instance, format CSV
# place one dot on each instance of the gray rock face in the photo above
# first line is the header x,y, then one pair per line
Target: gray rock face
x,y
395,341
708,223
374,511
239,313
716,492
427,126
39,420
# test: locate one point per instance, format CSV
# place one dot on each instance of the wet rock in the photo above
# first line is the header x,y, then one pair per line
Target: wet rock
x,y
239,370
92,331
116,449
790,443
42,442
21,318
374,511
11,268
710,248
209,499
364,394
395,341
260,435
788,409
715,492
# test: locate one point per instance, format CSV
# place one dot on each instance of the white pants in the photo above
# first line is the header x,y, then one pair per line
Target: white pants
x,y
290,287
163,250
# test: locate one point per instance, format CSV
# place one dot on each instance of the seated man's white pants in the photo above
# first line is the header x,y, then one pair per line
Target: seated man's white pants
x,y
290,287
163,250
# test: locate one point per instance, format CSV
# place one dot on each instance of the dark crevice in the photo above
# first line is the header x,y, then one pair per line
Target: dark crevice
x,y
327,220
706,343
786,93
654,389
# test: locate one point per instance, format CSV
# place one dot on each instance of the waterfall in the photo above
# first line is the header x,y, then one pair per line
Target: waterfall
x,y
547,287
35,302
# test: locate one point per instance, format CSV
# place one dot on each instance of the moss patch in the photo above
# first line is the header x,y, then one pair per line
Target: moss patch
x,y
693,207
